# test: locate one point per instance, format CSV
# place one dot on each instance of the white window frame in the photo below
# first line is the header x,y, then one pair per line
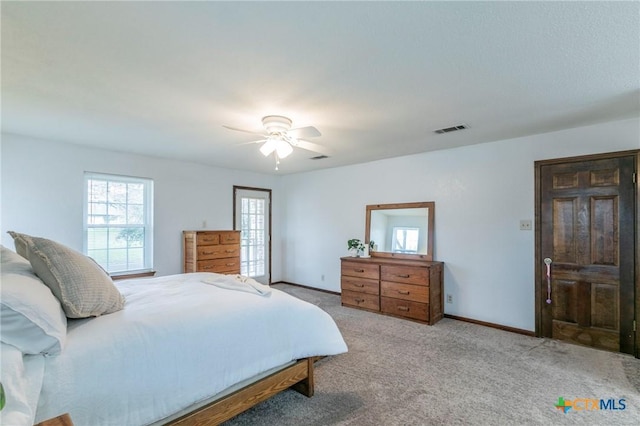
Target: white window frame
x,y
147,214
405,229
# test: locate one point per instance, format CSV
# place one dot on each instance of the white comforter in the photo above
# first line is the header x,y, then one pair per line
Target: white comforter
x,y
177,341
21,376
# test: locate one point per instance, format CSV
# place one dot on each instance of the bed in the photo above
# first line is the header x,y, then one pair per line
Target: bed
x,y
184,349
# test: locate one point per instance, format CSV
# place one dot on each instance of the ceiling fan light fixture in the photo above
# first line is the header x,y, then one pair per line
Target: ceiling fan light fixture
x,y
268,147
283,149
280,138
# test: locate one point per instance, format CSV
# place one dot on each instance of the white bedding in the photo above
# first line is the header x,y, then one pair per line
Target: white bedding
x,y
177,341
21,376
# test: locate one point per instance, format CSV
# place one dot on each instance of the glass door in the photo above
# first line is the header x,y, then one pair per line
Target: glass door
x,y
252,207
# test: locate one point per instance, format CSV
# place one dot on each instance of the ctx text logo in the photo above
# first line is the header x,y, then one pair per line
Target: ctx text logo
x,y
590,404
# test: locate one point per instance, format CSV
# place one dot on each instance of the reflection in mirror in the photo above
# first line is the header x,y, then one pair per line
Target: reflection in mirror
x,y
401,230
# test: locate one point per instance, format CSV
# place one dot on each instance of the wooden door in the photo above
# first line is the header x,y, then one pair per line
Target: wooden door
x,y
586,226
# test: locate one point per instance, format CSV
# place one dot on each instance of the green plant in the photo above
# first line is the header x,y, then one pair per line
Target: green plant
x,y
372,244
355,244
2,397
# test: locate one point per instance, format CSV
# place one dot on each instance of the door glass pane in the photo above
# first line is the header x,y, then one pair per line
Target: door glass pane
x,y
253,237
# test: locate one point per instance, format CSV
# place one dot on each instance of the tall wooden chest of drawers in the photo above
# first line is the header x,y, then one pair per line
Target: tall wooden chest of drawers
x,y
409,289
212,251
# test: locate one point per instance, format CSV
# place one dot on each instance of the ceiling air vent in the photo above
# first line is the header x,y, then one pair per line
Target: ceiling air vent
x,y
319,157
451,129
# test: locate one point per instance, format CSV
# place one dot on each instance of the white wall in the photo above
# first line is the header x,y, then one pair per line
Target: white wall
x,y
481,193
43,183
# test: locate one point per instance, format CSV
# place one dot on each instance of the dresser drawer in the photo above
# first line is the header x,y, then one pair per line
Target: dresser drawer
x,y
229,237
207,238
416,293
363,270
405,308
231,264
217,252
405,274
361,300
363,285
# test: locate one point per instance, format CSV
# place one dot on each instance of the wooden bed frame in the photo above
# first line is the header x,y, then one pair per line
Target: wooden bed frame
x,y
298,376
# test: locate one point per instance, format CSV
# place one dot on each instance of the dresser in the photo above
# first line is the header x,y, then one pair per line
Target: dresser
x,y
410,289
211,251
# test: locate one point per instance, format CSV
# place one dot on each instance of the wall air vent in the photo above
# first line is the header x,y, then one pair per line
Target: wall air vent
x,y
319,157
451,129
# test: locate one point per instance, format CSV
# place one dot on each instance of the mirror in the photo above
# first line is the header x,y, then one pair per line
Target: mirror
x,y
402,230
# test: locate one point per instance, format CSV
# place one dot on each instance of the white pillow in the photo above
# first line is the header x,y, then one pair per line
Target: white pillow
x,y
83,288
31,317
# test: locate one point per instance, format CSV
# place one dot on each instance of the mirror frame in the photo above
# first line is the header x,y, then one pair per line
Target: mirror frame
x,y
431,205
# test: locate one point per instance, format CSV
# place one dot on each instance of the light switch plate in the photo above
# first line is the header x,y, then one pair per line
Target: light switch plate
x,y
525,225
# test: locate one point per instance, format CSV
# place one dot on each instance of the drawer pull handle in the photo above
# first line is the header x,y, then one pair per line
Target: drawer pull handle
x,y
207,239
207,267
359,300
403,276
230,264
359,270
403,308
228,251
208,252
402,292
359,285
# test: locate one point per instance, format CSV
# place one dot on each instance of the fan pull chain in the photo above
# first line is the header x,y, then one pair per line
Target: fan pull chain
x,y
275,154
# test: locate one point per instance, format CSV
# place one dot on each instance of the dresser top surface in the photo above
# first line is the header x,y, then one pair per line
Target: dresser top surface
x,y
390,261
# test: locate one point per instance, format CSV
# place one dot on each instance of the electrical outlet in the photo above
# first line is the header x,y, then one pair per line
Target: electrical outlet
x,y
525,225
449,298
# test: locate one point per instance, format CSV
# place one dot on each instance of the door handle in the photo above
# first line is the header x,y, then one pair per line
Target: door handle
x,y
548,262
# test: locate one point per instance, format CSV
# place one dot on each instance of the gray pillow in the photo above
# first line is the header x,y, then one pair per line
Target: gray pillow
x,y
21,246
82,286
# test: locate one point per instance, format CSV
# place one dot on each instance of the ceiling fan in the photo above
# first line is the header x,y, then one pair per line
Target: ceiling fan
x,y
280,139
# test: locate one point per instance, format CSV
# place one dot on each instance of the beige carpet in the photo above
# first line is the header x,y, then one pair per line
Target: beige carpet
x,y
403,373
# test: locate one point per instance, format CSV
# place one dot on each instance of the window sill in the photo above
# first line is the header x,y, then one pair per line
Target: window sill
x,y
126,276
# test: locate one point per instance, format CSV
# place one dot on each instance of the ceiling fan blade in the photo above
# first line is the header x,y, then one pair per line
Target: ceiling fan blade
x,y
310,146
304,132
243,130
252,142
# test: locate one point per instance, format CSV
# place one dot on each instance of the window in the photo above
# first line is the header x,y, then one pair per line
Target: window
x,y
119,222
405,240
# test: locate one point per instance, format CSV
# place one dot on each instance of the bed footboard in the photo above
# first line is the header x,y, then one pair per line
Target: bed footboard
x,y
298,376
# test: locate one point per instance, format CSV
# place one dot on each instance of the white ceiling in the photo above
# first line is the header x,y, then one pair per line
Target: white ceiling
x,y
376,78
